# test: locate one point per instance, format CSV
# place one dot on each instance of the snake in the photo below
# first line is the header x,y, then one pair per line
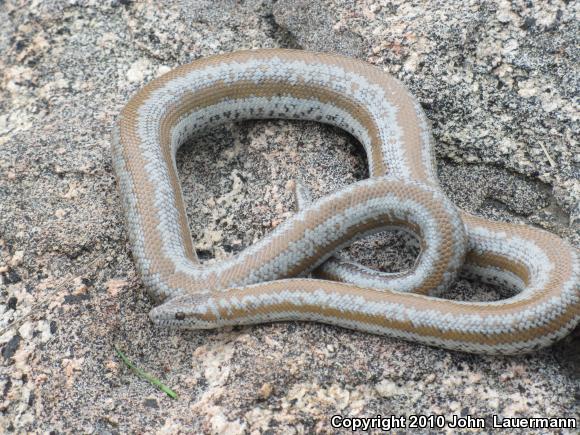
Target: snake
x,y
294,272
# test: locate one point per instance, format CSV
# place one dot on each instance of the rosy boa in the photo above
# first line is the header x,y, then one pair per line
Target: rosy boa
x,y
269,280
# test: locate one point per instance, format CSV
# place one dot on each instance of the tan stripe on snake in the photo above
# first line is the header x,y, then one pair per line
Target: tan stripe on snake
x,y
269,280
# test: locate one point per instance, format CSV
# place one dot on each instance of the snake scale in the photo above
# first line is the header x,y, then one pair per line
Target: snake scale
x,y
270,280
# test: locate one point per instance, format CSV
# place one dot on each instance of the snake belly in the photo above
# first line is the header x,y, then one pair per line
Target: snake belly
x,y
268,281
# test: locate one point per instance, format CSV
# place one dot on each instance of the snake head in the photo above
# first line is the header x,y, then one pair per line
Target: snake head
x,y
190,311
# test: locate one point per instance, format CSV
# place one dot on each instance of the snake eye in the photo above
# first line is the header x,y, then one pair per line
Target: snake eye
x,y
180,316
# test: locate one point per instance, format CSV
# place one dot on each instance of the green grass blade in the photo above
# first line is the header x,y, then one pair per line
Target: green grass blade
x,y
149,378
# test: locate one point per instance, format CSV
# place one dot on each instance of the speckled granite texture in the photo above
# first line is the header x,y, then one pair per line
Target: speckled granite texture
x,y
496,78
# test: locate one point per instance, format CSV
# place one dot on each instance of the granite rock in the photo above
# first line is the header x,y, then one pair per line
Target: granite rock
x,y
496,80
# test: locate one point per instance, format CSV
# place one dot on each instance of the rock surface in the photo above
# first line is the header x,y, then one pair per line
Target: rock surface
x,y
496,80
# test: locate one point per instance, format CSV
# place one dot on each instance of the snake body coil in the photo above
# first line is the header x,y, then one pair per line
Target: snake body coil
x,y
266,282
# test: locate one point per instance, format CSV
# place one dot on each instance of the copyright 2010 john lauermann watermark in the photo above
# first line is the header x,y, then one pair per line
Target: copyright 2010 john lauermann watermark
x,y
391,422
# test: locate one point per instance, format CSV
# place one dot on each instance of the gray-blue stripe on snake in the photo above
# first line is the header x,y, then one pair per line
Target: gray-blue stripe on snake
x,y
253,287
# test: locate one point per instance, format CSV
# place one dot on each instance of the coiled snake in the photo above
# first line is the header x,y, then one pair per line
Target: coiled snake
x,y
269,280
